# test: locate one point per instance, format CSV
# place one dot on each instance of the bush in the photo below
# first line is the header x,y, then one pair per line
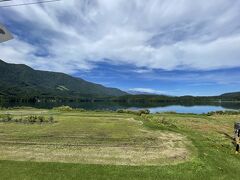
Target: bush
x,y
5,118
41,119
136,112
31,119
223,113
18,120
81,110
63,108
144,111
120,111
28,119
51,119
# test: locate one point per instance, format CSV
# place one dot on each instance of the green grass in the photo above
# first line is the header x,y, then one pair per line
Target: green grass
x,y
211,152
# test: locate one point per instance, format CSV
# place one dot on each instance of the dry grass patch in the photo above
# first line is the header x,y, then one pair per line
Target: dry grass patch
x,y
165,149
80,138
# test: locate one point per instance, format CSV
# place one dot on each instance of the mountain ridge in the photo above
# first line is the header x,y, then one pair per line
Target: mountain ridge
x,y
19,79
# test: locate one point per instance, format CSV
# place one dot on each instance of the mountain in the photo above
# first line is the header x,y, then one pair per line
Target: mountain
x,y
21,80
231,96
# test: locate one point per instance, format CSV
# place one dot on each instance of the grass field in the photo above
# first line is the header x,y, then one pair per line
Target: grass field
x,y
108,145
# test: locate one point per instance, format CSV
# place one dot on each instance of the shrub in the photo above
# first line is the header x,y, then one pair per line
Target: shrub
x,y
31,119
41,119
28,119
223,113
81,110
5,117
120,111
144,111
63,108
51,119
136,112
18,120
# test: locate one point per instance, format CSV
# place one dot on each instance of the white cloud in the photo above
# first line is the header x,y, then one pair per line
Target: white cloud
x,y
147,91
154,34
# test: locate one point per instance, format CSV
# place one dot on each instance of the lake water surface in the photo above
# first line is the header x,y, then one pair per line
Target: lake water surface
x,y
187,109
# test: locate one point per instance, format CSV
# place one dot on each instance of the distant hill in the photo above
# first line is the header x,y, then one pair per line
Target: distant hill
x,y
21,80
231,96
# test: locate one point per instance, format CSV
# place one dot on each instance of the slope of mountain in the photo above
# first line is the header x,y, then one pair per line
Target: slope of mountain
x,y
21,80
231,96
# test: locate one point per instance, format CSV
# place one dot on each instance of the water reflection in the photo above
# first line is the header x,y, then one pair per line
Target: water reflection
x,y
187,109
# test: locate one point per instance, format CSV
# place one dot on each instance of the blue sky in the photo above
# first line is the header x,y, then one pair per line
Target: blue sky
x,y
177,47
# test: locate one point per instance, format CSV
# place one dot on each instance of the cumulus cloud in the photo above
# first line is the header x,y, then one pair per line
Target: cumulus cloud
x,y
156,34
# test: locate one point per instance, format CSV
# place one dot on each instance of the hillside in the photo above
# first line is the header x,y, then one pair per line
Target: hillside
x,y
231,96
21,80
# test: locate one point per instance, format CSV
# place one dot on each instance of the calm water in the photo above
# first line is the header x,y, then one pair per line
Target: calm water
x,y
187,109
160,107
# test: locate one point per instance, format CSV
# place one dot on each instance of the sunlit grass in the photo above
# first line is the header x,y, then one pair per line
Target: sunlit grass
x,y
115,138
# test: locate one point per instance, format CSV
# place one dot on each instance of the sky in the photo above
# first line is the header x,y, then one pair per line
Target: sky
x,y
177,47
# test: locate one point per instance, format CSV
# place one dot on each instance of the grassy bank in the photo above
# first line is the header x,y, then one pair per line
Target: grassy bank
x,y
109,145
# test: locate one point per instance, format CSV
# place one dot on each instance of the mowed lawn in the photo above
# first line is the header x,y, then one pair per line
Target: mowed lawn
x,y
109,145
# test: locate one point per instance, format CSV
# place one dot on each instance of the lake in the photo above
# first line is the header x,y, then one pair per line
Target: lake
x,y
186,109
159,107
